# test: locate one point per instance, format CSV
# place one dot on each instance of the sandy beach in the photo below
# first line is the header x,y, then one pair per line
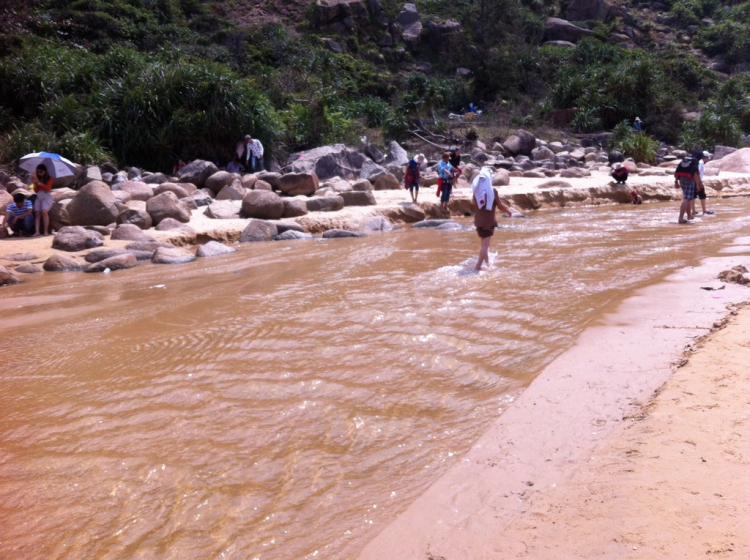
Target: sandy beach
x,y
629,445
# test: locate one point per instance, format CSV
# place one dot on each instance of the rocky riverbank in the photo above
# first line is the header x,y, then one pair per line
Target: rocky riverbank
x,y
109,221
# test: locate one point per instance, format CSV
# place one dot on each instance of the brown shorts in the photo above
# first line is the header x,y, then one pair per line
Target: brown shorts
x,y
484,233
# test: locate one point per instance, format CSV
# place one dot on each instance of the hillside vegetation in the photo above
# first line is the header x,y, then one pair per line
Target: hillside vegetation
x,y
146,82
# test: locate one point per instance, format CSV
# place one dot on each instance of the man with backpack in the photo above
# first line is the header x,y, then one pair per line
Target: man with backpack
x,y
687,177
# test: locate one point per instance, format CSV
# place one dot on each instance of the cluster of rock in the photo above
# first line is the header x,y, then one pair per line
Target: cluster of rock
x,y
368,21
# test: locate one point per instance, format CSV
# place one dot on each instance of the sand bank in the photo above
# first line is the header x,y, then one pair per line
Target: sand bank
x,y
598,458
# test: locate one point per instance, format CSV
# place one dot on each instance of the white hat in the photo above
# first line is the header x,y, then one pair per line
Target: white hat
x,y
638,118
618,165
706,154
419,158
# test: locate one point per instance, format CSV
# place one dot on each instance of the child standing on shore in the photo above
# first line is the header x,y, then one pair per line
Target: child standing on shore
x,y
412,176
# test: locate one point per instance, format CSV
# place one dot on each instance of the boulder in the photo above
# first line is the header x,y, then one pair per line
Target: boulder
x,y
248,181
371,170
283,226
61,263
329,161
76,238
339,233
201,199
291,234
556,29
167,205
217,181
137,190
224,210
408,22
5,199
362,185
155,179
19,257
358,198
377,223
196,172
139,218
265,205
520,143
130,232
575,173
147,246
396,155
87,175
542,154
258,230
387,182
170,224
179,190
723,151
118,262
93,205
588,10
736,162
325,204
293,184
235,191
28,268
172,255
501,178
294,207
374,153
7,278
214,249
122,197
439,33
261,185
134,173
269,177
98,255
430,223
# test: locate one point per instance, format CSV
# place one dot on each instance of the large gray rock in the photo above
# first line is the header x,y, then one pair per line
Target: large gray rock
x,y
520,143
371,170
233,191
542,154
258,230
214,249
137,190
291,234
269,177
172,255
374,153
58,214
94,205
556,29
61,263
7,278
588,10
155,179
265,205
293,184
224,210
339,233
362,185
130,232
118,262
217,181
329,161
325,204
409,23
387,182
170,224
147,246
294,207
196,172
722,151
396,154
501,178
98,255
167,205
137,217
87,175
358,198
76,238
179,190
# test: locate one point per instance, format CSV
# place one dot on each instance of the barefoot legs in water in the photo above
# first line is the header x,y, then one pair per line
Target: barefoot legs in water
x,y
483,253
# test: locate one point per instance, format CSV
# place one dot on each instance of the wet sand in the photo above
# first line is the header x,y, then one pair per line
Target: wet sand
x,y
615,450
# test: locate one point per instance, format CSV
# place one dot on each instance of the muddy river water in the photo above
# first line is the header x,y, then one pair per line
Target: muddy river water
x,y
289,400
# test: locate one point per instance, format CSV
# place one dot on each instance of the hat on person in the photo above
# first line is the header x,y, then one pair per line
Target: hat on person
x,y
248,137
706,154
618,165
420,158
638,119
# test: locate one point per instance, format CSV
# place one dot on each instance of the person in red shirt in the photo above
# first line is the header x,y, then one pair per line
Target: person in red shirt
x,y
412,176
42,186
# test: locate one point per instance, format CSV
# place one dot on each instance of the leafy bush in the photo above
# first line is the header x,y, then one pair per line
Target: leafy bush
x,y
82,148
637,145
714,126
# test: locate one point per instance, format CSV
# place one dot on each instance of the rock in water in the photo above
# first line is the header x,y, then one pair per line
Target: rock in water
x,y
118,262
172,255
7,278
258,230
214,249
61,263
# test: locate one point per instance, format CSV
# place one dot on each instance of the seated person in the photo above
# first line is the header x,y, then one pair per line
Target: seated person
x,y
635,197
619,173
235,166
19,217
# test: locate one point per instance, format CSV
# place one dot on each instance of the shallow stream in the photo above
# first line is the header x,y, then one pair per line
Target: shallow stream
x,y
289,400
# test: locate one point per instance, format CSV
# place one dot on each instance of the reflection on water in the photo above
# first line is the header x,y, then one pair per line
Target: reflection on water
x,y
288,400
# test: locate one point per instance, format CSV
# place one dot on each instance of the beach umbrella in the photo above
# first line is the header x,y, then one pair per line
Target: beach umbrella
x,y
57,166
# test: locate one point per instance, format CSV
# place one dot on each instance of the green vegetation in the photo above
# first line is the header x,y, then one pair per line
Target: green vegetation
x,y
637,145
146,82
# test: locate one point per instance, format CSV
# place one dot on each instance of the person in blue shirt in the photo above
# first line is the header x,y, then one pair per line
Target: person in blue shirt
x,y
446,176
638,125
19,216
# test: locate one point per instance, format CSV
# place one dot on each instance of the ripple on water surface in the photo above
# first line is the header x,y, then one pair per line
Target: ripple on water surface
x,y
293,397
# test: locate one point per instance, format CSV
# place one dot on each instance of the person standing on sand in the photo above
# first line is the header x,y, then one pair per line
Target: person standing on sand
x,y
686,176
252,155
486,201
701,189
412,176
42,186
445,176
